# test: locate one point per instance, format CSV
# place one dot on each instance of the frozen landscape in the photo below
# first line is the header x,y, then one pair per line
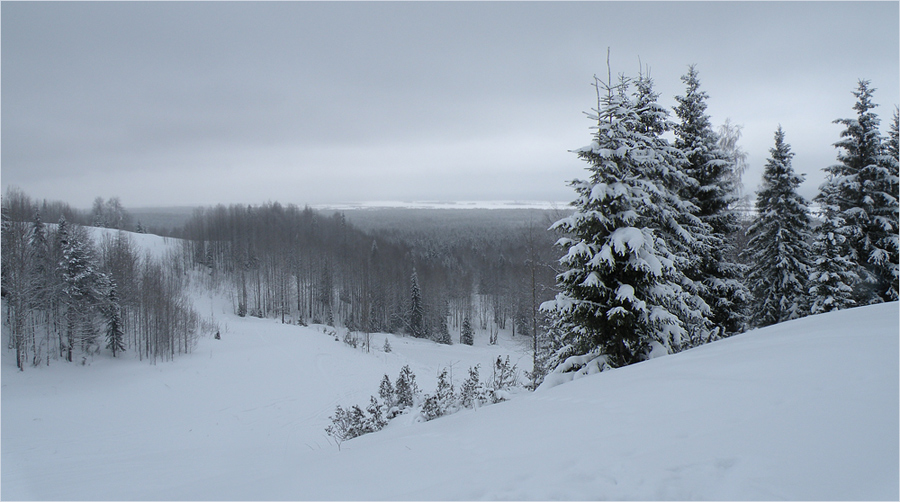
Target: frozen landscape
x,y
373,259
806,409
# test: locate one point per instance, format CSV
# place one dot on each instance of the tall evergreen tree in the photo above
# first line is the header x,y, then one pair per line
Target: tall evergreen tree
x,y
863,187
80,287
719,280
405,389
778,249
685,233
620,276
466,333
417,326
115,336
833,274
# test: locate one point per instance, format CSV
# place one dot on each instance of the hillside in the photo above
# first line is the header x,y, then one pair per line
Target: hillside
x,y
803,410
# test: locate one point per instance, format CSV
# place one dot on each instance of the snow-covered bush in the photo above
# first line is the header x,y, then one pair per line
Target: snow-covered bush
x,y
504,378
405,389
443,401
471,393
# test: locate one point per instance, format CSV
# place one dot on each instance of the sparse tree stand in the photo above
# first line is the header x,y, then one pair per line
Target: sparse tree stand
x,y
778,249
862,189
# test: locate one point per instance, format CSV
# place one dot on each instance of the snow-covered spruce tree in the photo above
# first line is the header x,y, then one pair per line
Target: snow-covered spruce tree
x,y
778,249
620,276
375,419
80,287
466,333
442,334
719,280
893,144
471,391
684,232
833,273
416,309
863,189
386,391
442,402
42,268
115,336
405,388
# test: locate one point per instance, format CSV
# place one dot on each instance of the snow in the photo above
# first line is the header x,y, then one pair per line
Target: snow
x,y
806,409
463,204
156,246
627,239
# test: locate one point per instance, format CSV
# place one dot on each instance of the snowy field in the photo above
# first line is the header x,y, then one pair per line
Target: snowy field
x,y
803,410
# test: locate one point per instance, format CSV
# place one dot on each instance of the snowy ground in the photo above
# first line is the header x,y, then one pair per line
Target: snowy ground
x,y
804,410
465,204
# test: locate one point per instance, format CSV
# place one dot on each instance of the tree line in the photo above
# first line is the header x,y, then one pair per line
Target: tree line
x,y
650,257
68,296
303,266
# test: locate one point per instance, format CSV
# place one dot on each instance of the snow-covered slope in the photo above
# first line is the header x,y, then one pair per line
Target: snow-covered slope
x,y
803,410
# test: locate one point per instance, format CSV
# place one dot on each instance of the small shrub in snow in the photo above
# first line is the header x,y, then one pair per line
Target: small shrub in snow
x,y
348,424
405,389
443,402
351,340
504,378
387,346
386,391
431,409
375,420
445,393
471,392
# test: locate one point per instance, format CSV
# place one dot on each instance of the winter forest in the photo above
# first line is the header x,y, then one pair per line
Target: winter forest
x,y
653,253
660,251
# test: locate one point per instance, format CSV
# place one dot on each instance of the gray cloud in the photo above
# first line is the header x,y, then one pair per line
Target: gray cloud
x,y
182,103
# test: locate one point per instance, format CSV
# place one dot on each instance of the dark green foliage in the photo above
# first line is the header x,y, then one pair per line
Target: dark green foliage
x,y
862,189
833,273
467,334
431,408
115,337
405,388
386,392
443,401
778,249
620,288
417,327
471,391
375,419
442,335
716,279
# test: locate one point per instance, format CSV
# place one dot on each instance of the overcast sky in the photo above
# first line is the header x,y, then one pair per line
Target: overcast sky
x,y
200,103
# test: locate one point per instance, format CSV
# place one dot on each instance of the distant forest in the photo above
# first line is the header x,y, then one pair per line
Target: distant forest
x,y
421,272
